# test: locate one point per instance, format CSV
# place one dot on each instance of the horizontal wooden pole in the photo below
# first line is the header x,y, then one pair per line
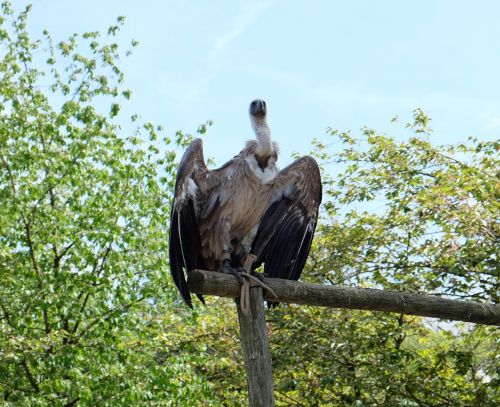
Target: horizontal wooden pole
x,y
297,292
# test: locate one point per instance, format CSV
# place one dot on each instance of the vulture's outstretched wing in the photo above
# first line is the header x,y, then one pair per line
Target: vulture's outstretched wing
x,y
184,243
285,233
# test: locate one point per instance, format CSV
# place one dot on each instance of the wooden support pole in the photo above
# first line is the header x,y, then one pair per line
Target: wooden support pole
x,y
256,351
224,285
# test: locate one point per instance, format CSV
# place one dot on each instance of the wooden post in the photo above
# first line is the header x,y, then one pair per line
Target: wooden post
x,y
256,351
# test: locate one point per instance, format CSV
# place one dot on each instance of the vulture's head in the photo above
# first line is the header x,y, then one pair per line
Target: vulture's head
x,y
258,109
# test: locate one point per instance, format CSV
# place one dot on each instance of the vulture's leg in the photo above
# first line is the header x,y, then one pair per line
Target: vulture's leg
x,y
247,265
251,274
245,276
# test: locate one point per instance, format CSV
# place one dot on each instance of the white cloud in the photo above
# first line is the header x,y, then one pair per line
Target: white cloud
x,y
247,15
492,123
336,96
476,115
192,91
345,96
183,92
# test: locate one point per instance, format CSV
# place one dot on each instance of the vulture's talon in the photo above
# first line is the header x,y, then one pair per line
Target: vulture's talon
x,y
233,271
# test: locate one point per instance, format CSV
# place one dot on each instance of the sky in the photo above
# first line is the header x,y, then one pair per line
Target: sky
x,y
317,64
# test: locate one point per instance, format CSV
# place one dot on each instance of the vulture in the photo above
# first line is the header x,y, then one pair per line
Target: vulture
x,y
244,214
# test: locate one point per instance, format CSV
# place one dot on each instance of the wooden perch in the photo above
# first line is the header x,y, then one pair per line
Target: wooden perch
x,y
256,351
297,292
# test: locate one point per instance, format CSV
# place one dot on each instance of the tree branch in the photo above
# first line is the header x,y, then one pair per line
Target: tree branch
x,y
38,272
106,316
23,363
29,375
95,269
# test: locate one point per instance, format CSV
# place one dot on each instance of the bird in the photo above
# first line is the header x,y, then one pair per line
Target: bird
x,y
244,214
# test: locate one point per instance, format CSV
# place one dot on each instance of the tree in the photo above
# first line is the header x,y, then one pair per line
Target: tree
x,y
82,230
433,226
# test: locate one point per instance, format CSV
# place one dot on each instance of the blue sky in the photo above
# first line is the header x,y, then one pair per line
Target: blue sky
x,y
318,64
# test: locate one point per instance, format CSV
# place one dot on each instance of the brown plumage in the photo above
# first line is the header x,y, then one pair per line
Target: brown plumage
x,y
246,206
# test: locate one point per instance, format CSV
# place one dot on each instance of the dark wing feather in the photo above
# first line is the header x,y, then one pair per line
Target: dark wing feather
x,y
285,234
184,241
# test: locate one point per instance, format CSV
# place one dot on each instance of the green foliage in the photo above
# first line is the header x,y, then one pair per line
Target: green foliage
x,y
88,314
361,358
82,230
433,218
